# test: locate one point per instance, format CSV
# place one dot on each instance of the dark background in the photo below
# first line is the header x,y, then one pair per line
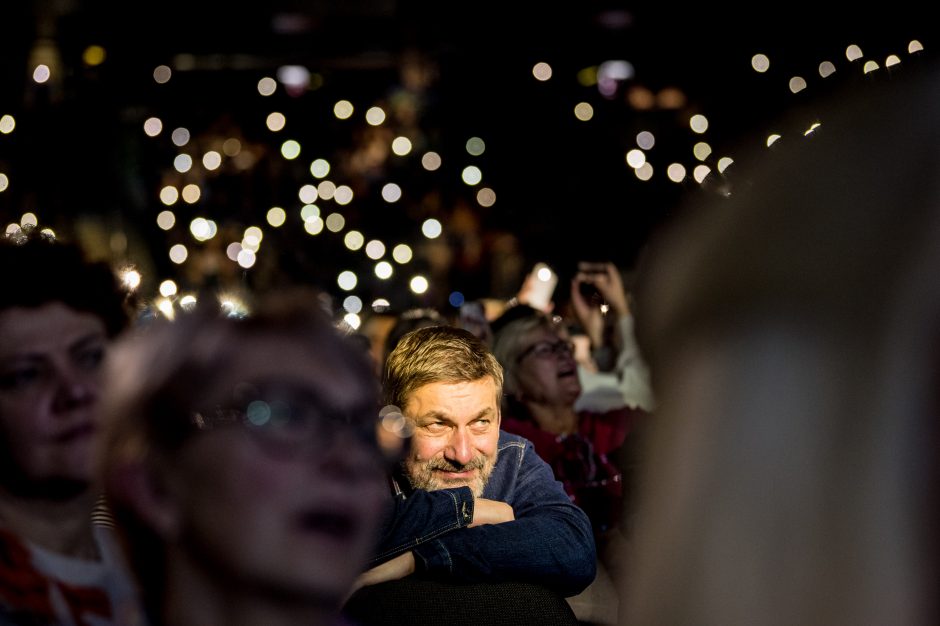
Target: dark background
x,y
79,159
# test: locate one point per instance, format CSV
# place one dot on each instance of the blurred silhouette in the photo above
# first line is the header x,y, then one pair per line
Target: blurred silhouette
x,y
792,331
242,462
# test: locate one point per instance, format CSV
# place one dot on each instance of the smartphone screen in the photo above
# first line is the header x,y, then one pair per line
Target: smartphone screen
x,y
543,283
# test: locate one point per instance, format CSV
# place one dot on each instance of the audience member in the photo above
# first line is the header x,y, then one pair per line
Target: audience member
x,y
471,502
58,315
242,463
407,321
614,372
585,449
792,329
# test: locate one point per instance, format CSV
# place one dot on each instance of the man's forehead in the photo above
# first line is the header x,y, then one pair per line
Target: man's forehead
x,y
459,398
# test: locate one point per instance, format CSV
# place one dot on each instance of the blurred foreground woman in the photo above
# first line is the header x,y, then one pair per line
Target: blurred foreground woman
x,y
793,333
242,463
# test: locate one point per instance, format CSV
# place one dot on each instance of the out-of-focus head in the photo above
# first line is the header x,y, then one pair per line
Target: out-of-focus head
x,y
58,312
792,330
538,361
472,317
248,446
448,385
410,320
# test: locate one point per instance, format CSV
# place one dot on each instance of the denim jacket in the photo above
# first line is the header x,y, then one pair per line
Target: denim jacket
x,y
549,543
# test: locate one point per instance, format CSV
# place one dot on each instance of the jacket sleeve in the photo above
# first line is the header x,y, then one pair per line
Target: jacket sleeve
x,y
421,517
632,370
550,542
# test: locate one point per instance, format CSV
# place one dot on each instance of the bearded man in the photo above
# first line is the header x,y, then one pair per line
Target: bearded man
x,y
472,503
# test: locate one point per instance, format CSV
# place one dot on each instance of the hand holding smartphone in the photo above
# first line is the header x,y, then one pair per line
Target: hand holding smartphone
x,y
539,286
587,272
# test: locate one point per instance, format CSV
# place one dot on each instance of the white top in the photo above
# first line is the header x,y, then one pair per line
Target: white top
x,y
627,385
40,586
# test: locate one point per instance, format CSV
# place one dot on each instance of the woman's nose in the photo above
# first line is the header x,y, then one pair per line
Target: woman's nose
x,y
74,388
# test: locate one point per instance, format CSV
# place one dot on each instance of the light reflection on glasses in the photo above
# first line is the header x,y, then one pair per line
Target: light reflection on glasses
x,y
288,420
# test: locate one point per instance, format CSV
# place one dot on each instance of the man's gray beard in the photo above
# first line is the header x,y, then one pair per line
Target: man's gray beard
x,y
424,478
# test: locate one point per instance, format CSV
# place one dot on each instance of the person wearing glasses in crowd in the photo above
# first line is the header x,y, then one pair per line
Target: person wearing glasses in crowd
x,y
586,449
244,465
471,502
59,312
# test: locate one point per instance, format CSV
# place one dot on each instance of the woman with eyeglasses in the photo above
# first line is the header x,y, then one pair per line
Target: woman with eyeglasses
x,y
244,465
586,449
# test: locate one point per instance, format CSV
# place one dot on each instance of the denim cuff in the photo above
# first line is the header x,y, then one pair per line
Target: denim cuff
x,y
433,557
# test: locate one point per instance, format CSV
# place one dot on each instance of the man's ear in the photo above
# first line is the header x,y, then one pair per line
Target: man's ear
x,y
145,488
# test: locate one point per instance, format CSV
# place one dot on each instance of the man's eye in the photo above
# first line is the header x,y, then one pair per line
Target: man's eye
x,y
436,427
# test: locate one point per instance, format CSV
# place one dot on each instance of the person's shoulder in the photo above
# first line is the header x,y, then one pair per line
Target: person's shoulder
x,y
507,439
509,442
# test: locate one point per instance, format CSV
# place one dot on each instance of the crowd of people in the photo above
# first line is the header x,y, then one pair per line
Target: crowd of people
x,y
265,469
213,469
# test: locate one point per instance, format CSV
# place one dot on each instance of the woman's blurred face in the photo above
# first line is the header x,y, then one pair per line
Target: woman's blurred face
x,y
50,358
278,492
545,370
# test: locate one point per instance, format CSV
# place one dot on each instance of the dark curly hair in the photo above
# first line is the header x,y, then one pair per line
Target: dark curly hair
x,y
36,269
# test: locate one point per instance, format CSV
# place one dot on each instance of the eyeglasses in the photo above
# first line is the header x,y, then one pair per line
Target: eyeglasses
x,y
548,350
289,419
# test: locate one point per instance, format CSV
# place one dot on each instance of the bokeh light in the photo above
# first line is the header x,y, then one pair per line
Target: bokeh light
x,y
431,228
7,124
354,240
760,63
401,146
267,86
335,222
471,175
418,284
275,122
431,161
276,216
583,111
343,109
319,168
375,249
676,172
475,146
486,197
542,71
290,149
402,253
375,116
153,126
347,280
162,74
180,137
391,192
